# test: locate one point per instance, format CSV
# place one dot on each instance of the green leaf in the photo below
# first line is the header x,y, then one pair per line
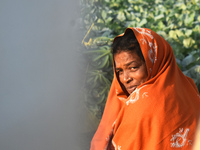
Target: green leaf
x,y
189,19
188,42
159,17
198,18
188,60
160,25
183,7
172,34
188,32
121,16
103,14
143,22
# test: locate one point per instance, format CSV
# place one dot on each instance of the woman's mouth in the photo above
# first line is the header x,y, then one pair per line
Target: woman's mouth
x,y
131,89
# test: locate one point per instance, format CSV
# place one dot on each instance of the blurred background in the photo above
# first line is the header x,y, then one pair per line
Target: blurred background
x,y
40,105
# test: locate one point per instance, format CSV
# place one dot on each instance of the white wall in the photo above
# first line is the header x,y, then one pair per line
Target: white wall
x,y
38,75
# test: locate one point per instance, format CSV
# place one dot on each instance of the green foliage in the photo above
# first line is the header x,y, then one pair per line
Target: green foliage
x,y
177,21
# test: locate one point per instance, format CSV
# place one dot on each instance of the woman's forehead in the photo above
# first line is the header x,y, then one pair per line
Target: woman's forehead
x,y
126,57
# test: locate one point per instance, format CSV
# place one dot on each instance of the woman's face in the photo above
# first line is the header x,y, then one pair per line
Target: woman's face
x,y
130,69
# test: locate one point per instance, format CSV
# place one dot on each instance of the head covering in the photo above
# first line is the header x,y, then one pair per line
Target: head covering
x,y
162,113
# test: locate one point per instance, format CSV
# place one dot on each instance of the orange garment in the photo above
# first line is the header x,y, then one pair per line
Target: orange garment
x,y
161,114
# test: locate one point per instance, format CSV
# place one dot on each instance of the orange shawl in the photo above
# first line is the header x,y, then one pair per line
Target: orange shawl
x,y
161,113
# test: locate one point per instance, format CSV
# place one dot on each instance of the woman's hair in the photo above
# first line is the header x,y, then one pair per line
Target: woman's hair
x,y
127,42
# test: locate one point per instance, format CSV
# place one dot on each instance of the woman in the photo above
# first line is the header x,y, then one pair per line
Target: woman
x,y
152,105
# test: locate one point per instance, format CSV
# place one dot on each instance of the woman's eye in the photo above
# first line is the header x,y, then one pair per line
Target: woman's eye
x,y
119,72
133,68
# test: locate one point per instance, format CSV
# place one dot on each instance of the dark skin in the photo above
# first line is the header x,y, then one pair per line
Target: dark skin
x,y
130,69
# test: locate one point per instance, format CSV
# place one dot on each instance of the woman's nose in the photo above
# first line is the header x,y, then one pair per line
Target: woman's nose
x,y
127,77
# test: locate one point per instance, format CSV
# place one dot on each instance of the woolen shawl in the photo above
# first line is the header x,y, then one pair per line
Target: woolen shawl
x,y
161,114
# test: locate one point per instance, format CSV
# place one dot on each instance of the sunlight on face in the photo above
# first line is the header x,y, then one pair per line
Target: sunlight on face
x,y
130,69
